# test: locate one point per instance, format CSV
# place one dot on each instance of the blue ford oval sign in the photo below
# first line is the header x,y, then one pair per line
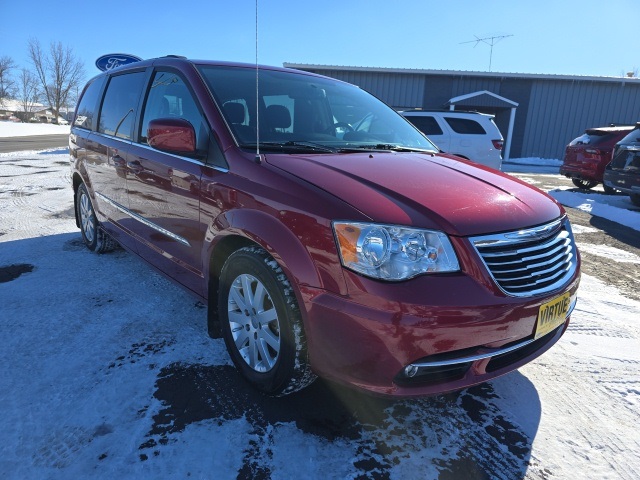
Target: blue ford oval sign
x,y
113,60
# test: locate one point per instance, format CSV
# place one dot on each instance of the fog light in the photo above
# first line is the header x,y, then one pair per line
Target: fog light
x,y
410,371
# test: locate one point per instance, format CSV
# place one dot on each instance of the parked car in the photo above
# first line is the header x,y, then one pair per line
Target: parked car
x,y
623,173
325,233
586,156
469,135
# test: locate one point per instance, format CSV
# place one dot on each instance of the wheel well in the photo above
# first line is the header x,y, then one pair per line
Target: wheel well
x,y
220,253
223,250
77,181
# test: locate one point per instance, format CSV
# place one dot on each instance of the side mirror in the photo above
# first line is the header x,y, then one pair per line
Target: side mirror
x,y
173,135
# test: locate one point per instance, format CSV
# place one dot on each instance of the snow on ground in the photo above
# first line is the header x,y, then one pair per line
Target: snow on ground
x,y
107,372
14,129
533,165
617,208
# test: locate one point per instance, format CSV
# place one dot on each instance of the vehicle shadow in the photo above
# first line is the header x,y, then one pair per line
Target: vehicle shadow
x,y
616,230
468,434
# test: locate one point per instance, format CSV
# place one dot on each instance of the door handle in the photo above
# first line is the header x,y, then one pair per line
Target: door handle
x,y
117,161
135,167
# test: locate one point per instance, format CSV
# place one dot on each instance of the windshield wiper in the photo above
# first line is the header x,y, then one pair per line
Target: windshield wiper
x,y
394,148
291,144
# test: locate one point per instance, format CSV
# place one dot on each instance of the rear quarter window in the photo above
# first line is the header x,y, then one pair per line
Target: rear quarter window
x,y
88,104
465,126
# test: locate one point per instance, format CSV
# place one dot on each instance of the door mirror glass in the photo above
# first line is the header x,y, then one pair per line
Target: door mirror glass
x,y
173,135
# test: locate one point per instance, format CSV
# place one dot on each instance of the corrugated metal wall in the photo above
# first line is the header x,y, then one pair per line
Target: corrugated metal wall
x,y
398,90
560,111
464,85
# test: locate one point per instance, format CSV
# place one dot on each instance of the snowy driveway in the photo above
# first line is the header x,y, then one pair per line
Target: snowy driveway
x,y
107,372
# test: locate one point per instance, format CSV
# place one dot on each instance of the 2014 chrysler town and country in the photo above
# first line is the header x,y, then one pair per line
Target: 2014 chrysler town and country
x,y
326,234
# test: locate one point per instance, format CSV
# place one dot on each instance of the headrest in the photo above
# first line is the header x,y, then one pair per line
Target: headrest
x,y
278,116
234,112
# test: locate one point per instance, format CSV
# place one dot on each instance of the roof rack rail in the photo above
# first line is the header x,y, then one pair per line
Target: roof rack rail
x,y
444,110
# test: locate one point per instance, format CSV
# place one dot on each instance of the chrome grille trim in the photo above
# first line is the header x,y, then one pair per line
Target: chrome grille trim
x,y
532,261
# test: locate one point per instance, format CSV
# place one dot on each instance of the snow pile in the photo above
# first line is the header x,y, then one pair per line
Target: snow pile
x,y
12,129
617,208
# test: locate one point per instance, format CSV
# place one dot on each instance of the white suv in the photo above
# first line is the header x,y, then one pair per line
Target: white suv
x,y
470,135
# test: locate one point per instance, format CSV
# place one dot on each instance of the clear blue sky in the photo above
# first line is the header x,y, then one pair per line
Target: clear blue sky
x,y
573,37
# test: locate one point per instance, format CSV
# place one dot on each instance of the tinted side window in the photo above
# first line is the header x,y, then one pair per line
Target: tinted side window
x,y
427,125
87,107
169,97
633,137
120,104
465,126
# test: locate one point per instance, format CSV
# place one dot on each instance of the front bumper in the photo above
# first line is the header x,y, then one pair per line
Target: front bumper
x,y
423,337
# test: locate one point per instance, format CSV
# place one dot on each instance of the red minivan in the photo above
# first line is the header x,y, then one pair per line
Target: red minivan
x,y
325,233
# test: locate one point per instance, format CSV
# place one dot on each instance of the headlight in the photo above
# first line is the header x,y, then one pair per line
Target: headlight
x,y
389,252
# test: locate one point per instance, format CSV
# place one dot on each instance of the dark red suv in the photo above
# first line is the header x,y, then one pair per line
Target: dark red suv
x,y
586,156
326,234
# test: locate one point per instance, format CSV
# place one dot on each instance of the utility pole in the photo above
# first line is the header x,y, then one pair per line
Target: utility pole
x,y
491,41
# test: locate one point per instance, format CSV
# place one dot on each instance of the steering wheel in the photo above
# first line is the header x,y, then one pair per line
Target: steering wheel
x,y
344,125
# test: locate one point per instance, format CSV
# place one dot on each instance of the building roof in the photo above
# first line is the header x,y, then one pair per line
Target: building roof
x,y
467,73
17,106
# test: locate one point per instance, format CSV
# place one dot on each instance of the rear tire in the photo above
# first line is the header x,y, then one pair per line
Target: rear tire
x,y
584,184
609,190
635,199
261,323
96,239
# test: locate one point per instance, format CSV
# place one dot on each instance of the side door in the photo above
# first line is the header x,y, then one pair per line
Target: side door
x,y
107,151
164,188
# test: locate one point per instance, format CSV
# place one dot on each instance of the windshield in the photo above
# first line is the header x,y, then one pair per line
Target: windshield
x,y
298,111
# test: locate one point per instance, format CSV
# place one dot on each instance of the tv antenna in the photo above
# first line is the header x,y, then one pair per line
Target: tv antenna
x,y
491,41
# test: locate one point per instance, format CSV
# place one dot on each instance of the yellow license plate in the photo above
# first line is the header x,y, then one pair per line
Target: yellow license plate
x,y
552,314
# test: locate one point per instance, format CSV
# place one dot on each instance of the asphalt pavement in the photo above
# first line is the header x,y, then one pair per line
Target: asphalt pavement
x,y
33,142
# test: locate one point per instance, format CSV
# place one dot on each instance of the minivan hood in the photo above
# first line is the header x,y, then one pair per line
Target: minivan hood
x,y
424,190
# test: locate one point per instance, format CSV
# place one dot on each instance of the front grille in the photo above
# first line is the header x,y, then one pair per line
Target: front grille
x,y
531,261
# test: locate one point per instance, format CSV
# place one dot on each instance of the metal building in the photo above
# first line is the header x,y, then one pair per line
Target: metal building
x,y
537,114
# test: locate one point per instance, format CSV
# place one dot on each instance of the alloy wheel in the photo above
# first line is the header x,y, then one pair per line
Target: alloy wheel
x,y
253,321
87,218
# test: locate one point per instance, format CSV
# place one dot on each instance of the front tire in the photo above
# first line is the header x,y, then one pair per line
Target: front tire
x,y
635,199
93,236
261,323
584,184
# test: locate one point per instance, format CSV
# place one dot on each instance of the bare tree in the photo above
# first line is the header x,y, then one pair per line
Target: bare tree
x,y
28,93
7,84
59,73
